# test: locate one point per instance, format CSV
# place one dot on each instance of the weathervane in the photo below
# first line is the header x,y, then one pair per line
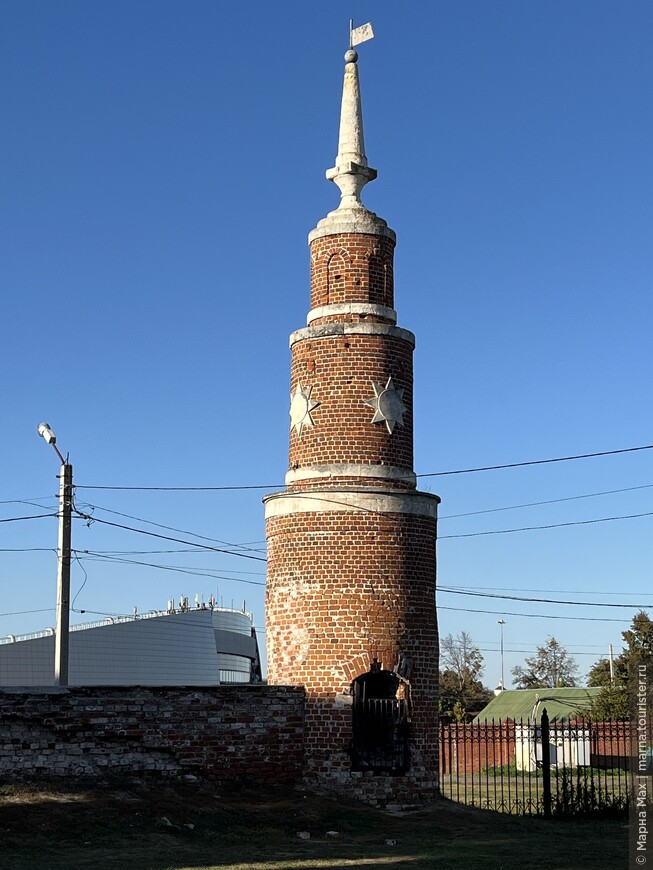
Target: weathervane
x,y
359,34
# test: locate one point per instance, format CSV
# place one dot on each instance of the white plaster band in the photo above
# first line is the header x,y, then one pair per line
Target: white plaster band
x,y
280,504
344,469
326,330
361,308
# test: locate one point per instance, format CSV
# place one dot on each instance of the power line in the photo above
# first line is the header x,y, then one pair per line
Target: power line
x,y
531,650
548,526
169,528
549,501
521,589
35,517
534,615
428,474
539,600
175,568
22,612
27,550
176,540
192,551
27,500
537,461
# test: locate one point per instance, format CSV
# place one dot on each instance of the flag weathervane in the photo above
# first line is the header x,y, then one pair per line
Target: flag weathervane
x,y
359,34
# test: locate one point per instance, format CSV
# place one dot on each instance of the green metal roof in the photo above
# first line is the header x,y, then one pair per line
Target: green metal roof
x,y
517,704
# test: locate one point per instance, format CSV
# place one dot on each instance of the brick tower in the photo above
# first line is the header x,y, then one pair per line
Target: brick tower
x,y
351,543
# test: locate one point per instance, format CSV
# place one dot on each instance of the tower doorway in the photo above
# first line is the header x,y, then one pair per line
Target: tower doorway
x,y
380,723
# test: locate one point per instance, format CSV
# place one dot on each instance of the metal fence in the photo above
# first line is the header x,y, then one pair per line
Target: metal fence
x,y
551,769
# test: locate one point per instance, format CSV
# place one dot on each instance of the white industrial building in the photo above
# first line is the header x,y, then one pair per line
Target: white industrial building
x,y
201,646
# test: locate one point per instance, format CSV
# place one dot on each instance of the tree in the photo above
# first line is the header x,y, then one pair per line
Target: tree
x,y
550,668
462,693
599,673
613,701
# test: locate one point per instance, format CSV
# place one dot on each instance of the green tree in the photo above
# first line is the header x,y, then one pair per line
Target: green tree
x,y
462,694
599,673
550,668
613,701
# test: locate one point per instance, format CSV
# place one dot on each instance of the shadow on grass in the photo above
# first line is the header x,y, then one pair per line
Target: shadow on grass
x,y
184,827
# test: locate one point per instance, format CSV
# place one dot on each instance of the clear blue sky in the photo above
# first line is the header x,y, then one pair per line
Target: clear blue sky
x,y
162,164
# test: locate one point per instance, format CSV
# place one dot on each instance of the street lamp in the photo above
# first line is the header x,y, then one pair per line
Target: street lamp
x,y
501,623
64,554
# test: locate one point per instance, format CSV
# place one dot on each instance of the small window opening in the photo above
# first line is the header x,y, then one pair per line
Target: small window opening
x,y
380,723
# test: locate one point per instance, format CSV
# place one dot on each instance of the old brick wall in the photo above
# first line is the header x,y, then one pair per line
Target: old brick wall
x,y
467,747
223,733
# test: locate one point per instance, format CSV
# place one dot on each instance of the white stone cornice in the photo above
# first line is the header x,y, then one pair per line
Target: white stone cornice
x,y
279,504
326,330
346,469
337,309
351,220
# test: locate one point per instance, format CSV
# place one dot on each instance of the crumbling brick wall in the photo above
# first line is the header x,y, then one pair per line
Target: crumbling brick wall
x,y
223,733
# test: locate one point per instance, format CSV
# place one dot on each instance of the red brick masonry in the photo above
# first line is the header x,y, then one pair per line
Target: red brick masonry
x,y
224,733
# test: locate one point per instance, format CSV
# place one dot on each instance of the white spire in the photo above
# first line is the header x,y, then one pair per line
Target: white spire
x,y
351,172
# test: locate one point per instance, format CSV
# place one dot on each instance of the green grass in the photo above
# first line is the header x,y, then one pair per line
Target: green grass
x,y
505,789
123,829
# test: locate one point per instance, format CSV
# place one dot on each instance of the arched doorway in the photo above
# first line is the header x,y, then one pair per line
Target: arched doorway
x,y
380,722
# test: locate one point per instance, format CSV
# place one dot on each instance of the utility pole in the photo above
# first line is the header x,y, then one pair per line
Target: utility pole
x,y
501,623
63,576
62,635
611,664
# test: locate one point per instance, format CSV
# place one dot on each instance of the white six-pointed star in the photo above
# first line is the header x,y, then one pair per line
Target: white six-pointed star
x,y
388,405
301,406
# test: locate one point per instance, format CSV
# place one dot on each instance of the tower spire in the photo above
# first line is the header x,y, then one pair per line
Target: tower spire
x,y
351,171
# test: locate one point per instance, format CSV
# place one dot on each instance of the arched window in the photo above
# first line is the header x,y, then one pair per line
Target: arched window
x,y
337,270
380,723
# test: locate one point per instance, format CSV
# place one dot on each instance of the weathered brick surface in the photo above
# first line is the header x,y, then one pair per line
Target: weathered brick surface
x,y
344,588
341,370
225,733
352,267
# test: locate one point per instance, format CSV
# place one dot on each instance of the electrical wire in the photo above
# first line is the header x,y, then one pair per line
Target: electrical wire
x,y
115,553
22,612
27,500
530,651
169,528
72,606
521,589
27,550
35,517
176,540
535,615
538,461
539,503
427,474
548,526
175,568
539,600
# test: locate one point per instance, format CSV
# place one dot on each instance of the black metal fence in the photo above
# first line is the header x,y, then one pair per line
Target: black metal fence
x,y
551,769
